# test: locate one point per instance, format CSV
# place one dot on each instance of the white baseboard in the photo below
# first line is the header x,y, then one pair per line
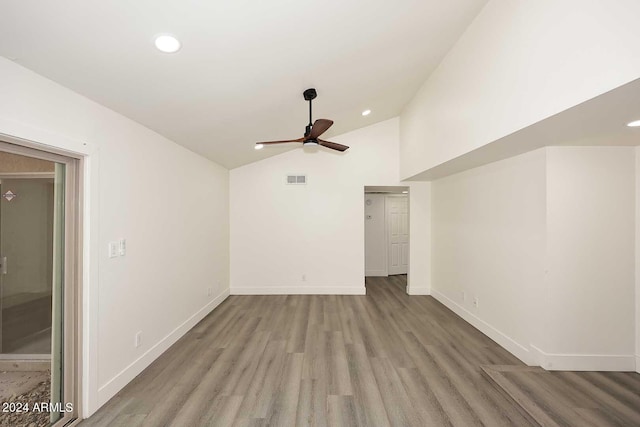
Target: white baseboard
x,y
518,350
534,356
586,362
638,363
418,291
116,384
376,273
300,290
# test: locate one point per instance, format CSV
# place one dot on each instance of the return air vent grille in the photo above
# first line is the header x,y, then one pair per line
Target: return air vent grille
x,y
297,179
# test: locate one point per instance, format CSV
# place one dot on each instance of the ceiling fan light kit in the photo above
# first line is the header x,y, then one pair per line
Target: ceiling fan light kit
x,y
312,131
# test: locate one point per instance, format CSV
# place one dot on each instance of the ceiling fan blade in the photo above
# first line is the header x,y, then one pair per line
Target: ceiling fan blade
x,y
332,145
319,127
280,142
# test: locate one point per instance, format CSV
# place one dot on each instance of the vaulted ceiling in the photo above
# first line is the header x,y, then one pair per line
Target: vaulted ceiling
x,y
243,65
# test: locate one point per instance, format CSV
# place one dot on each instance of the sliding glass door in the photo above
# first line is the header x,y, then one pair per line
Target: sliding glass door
x,y
37,293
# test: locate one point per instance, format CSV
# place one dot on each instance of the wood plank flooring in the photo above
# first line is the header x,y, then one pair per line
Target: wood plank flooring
x,y
384,359
572,398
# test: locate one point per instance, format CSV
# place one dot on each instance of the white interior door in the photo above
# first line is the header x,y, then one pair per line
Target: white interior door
x,y
397,215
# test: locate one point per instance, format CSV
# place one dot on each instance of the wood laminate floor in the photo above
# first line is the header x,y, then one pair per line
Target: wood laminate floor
x,y
384,359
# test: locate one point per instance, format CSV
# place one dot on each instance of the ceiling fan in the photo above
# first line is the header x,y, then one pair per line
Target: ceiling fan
x,y
312,131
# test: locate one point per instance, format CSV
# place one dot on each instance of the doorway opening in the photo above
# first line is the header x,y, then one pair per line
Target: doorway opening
x,y
39,292
386,211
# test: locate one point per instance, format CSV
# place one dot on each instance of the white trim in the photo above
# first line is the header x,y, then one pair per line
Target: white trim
x,y
43,139
300,290
638,363
376,273
108,390
586,362
418,291
90,282
518,350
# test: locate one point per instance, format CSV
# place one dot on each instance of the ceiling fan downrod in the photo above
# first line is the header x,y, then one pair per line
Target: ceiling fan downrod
x,y
309,95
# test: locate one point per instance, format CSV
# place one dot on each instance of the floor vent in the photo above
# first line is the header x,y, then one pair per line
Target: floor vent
x,y
297,179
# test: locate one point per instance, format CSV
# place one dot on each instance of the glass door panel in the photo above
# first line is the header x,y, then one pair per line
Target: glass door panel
x,y
32,260
26,246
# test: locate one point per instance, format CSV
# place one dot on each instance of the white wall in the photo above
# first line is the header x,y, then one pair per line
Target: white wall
x,y
590,252
517,63
488,228
590,257
169,203
545,240
420,268
281,232
375,238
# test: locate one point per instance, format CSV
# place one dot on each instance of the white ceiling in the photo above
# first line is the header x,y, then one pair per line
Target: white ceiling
x,y
243,66
600,121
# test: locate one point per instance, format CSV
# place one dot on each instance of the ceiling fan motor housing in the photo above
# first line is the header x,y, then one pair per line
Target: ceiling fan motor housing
x,y
310,94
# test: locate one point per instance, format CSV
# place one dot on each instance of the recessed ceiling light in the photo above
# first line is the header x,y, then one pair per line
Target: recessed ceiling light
x,y
634,124
405,192
167,43
366,112
259,146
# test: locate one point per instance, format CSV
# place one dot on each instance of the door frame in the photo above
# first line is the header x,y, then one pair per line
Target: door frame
x,y
73,264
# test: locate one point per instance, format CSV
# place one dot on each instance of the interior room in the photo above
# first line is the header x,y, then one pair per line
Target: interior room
x,y
302,213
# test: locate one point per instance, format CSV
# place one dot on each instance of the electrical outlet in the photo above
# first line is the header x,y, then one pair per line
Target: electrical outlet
x,y
304,277
137,340
113,249
122,247
209,292
475,302
464,296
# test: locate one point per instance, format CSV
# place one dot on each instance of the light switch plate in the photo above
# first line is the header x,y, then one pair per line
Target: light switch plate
x,y
122,247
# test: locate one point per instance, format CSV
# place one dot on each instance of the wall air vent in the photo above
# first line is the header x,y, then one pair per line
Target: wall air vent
x,y
297,179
